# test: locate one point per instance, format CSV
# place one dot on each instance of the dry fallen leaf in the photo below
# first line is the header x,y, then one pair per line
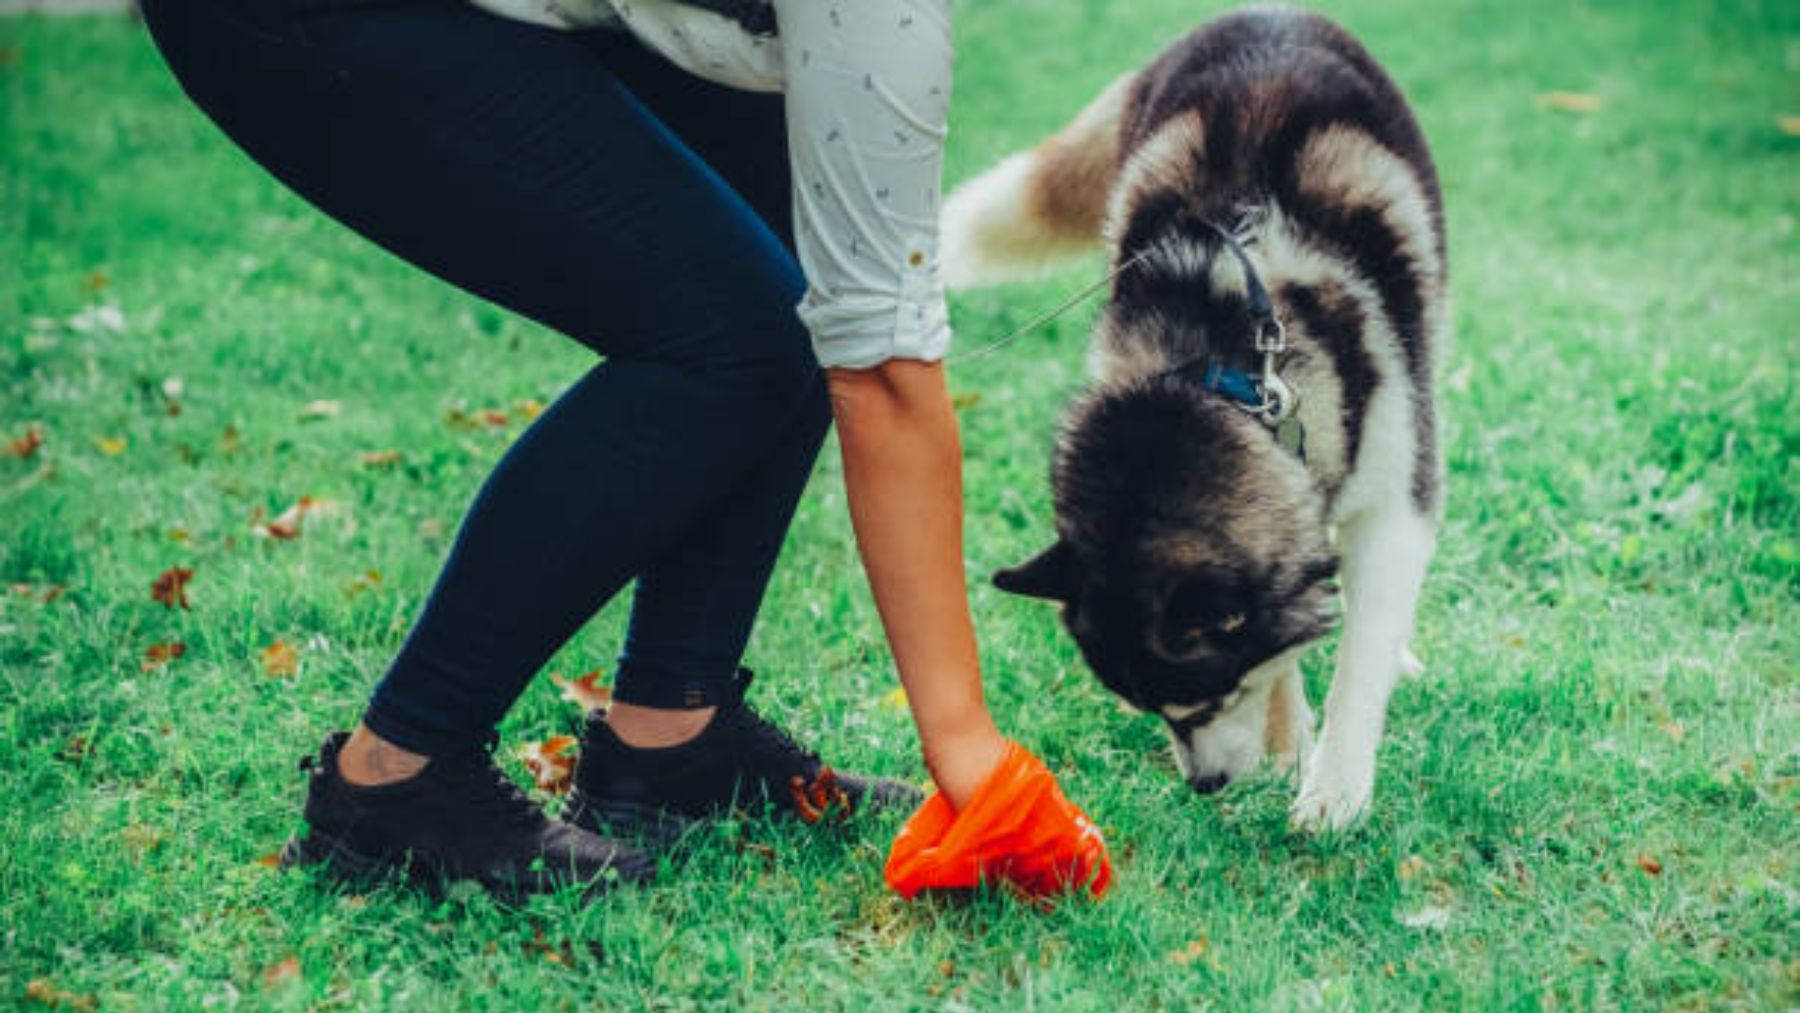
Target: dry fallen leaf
x,y
140,838
550,762
379,458
894,699
320,409
280,659
528,408
45,993
1189,953
158,655
585,692
286,526
492,418
48,594
1789,125
272,860
368,580
1411,866
171,586
1649,864
111,446
1570,101
288,968
28,444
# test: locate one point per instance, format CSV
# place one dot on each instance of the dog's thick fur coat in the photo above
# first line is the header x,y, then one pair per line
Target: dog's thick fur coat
x,y
1195,556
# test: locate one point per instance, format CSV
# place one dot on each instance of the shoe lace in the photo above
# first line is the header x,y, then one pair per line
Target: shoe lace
x,y
769,737
489,791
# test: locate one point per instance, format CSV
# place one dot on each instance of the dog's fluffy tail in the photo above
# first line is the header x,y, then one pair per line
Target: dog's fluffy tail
x,y
1039,209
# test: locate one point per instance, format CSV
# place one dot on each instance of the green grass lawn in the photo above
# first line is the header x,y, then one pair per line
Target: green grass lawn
x,y
1591,800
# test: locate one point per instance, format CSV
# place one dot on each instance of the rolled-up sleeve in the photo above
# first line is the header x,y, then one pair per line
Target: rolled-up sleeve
x,y
868,92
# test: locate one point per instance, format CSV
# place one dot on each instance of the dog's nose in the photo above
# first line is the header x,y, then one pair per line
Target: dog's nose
x,y
1206,784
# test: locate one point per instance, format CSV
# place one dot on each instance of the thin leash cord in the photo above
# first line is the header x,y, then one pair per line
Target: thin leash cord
x,y
1052,313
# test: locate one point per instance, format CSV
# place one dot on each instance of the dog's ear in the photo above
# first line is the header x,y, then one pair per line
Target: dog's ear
x,y
1050,574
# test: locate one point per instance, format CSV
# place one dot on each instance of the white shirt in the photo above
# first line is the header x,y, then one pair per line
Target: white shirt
x,y
867,86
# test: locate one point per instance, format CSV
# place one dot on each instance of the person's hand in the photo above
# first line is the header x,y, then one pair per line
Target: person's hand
x,y
1017,828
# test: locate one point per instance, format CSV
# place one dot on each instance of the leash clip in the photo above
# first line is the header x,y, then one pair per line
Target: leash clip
x,y
1277,397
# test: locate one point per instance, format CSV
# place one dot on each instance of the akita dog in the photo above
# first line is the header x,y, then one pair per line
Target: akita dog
x,y
1262,403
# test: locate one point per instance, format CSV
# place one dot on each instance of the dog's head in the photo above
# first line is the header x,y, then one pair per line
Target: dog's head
x,y
1191,563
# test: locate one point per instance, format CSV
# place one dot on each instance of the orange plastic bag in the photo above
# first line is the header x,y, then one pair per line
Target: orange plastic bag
x,y
1019,828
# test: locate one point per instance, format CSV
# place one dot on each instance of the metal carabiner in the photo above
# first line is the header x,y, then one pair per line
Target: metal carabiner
x,y
1277,397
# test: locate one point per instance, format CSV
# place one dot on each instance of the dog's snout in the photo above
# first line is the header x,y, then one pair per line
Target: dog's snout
x,y
1206,784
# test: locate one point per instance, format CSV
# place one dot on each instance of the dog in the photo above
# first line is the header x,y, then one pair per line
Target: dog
x,y
1262,412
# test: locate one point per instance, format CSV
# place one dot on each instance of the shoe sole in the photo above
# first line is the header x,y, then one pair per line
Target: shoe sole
x,y
346,864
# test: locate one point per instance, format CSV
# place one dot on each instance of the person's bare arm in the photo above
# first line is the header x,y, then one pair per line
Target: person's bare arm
x,y
903,473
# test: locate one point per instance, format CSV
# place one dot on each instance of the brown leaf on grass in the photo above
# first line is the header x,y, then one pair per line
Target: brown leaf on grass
x,y
158,655
491,418
171,587
287,969
821,797
1570,102
280,660
368,580
1649,864
379,458
323,408
111,446
231,441
141,839
562,955
47,594
272,860
97,281
585,692
44,992
965,400
551,762
1411,866
1191,952
528,408
286,525
1789,125
26,445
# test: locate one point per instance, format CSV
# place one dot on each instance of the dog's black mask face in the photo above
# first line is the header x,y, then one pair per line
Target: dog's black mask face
x,y
1191,549
1173,635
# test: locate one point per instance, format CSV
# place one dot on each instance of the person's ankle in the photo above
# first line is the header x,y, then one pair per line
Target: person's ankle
x,y
369,761
655,727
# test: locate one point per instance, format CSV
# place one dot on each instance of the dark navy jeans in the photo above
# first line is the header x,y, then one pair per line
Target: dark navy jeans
x,y
582,182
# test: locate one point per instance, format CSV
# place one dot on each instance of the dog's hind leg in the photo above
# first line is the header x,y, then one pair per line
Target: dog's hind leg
x,y
1385,554
1287,736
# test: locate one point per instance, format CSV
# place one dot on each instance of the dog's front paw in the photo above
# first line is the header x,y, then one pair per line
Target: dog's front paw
x,y
1331,798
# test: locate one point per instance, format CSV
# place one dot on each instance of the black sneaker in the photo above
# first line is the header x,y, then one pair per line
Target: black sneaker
x,y
458,818
738,760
